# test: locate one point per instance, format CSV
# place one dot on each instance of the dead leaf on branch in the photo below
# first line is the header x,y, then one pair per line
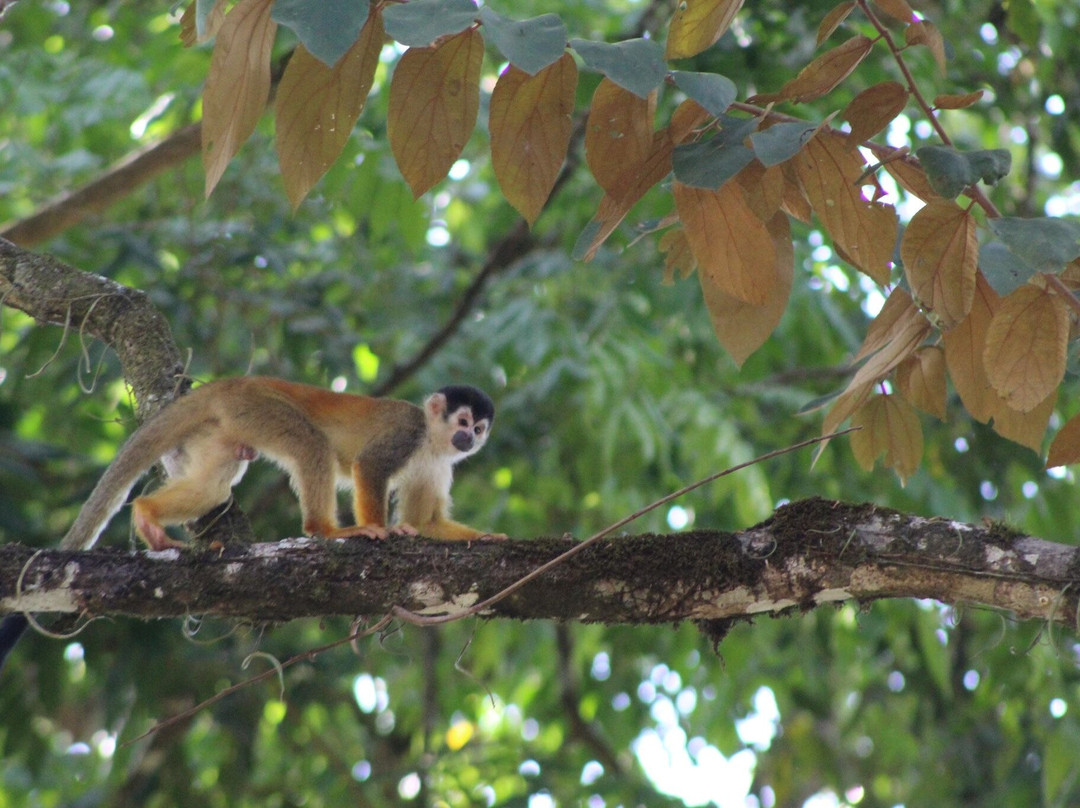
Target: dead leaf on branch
x,y
697,24
732,246
833,19
316,108
897,9
618,134
873,109
434,99
926,33
865,231
678,258
889,426
1065,448
920,379
940,251
742,327
1026,344
958,101
965,345
530,124
826,71
237,86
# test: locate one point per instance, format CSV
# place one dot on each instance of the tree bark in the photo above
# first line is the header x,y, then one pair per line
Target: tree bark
x,y
809,553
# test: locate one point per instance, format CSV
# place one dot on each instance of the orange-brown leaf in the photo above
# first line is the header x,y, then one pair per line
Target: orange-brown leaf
x,y
911,178
940,251
865,231
926,33
434,98
1025,346
873,109
697,24
618,134
891,426
189,34
833,19
897,9
678,258
530,130
827,70
733,248
628,190
1065,447
958,101
893,318
316,108
740,326
921,380
237,86
1026,428
686,118
964,348
763,187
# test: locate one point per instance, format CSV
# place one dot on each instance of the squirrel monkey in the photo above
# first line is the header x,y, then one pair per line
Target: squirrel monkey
x,y
320,438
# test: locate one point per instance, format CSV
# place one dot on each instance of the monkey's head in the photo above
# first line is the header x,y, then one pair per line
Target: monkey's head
x,y
459,419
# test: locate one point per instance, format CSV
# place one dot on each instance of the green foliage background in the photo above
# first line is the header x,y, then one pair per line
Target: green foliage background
x,y
611,391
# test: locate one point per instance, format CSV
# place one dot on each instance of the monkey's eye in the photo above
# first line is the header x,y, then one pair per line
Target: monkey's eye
x,y
463,422
479,430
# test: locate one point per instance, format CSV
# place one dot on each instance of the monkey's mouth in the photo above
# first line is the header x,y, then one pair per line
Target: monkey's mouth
x,y
462,440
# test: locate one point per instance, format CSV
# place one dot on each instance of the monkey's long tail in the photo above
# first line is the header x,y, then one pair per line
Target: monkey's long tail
x,y
162,433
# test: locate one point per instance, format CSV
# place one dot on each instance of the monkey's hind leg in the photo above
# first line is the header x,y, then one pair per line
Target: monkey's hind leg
x,y
202,477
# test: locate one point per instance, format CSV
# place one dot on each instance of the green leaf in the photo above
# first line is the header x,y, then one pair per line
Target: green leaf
x,y
420,22
711,163
326,29
1003,268
711,90
950,170
529,45
636,64
1046,244
781,142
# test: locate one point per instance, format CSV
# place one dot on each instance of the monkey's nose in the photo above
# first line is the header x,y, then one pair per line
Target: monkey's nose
x,y
462,440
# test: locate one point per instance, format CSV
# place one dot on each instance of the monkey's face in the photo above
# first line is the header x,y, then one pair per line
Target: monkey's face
x,y
458,432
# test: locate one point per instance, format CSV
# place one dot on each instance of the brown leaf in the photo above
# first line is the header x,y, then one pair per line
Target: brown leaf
x,y
1026,428
1026,343
763,188
1065,448
628,190
733,248
833,19
618,134
827,70
697,24
894,317
897,9
189,34
678,256
958,101
873,109
237,86
530,131
316,108
940,251
911,178
434,98
921,380
891,426
865,231
926,33
964,347
685,120
742,327
794,202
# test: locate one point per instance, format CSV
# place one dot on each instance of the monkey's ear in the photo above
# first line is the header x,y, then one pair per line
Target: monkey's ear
x,y
435,404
